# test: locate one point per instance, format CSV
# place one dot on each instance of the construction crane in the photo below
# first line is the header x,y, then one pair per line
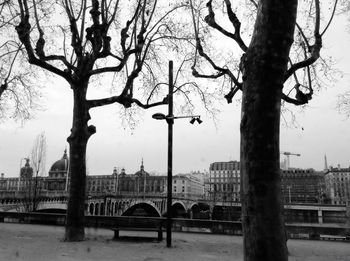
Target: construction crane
x,y
288,154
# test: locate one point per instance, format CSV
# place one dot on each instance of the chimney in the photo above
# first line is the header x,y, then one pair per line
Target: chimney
x,y
2,175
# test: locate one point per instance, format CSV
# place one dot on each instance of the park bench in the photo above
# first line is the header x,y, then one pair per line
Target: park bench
x,y
140,224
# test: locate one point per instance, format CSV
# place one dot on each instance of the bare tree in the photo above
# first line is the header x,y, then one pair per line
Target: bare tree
x,y
31,174
38,158
18,94
278,65
343,103
82,40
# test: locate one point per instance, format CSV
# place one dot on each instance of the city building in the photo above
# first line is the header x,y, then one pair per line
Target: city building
x,y
338,185
224,181
140,183
188,185
121,183
58,174
303,186
298,185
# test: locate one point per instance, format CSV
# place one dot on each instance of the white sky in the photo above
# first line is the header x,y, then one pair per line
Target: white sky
x,y
321,130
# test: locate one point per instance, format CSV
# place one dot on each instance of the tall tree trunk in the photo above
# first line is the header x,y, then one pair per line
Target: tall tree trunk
x,y
264,66
80,134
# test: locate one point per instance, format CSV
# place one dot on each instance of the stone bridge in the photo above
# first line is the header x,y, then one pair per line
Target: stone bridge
x,y
155,206
147,205
107,205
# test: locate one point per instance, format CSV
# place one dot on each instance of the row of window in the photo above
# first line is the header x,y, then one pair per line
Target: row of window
x,y
175,189
174,181
218,172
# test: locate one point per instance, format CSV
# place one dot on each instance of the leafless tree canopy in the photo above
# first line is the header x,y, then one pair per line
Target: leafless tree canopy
x,y
84,39
38,155
344,104
130,41
233,22
18,94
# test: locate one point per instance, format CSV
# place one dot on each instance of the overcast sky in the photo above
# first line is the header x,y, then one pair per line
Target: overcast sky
x,y
320,130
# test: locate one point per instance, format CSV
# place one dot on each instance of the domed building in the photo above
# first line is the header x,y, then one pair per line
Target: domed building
x,y
142,172
60,168
57,179
26,171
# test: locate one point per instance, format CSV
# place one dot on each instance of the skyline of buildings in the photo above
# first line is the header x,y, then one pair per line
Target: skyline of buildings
x,y
284,165
117,183
220,183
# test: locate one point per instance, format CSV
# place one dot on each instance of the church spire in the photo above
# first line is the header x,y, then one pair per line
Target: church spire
x,y
325,162
142,167
65,154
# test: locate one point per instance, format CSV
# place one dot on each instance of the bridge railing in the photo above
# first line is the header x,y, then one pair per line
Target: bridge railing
x,y
311,231
142,195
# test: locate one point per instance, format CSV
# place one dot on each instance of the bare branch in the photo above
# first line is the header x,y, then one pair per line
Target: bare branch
x,y
331,18
210,20
103,102
126,101
314,49
23,30
237,25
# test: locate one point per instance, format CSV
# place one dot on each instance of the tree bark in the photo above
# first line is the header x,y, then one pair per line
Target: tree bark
x,y
263,67
80,134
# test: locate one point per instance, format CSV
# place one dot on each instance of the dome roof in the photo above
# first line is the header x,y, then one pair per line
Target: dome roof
x,y
60,165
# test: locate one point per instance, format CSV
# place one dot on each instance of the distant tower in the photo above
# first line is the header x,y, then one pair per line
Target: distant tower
x,y
325,162
142,168
27,170
142,171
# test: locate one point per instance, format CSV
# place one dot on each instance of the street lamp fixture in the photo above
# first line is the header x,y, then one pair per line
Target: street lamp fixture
x,y
170,120
161,116
198,119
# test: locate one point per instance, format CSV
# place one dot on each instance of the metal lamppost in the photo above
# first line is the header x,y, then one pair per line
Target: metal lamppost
x,y
170,120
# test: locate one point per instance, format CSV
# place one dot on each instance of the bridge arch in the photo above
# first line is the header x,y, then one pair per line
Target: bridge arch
x,y
147,209
97,207
178,209
193,210
91,209
102,207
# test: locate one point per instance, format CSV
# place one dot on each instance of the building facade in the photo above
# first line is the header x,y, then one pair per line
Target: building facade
x,y
298,185
224,181
303,186
137,184
338,185
188,186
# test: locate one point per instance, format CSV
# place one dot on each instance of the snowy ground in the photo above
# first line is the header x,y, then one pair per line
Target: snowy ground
x,y
43,243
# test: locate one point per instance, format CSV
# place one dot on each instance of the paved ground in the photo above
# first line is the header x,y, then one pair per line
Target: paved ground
x,y
43,243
